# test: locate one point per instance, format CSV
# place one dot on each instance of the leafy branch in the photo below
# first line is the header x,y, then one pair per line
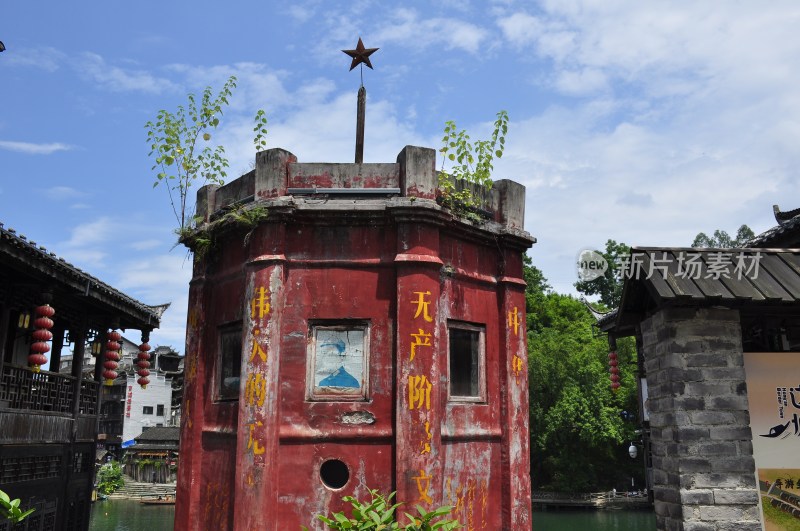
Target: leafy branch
x,y
473,163
176,139
10,511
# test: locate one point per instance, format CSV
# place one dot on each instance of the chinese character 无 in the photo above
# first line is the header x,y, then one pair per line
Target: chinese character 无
x,y
252,442
422,306
419,392
421,339
259,304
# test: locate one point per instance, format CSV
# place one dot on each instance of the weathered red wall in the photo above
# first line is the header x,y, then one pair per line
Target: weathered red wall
x,y
254,463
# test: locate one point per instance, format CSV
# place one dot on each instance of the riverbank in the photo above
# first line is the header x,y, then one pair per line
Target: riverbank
x,y
589,500
136,490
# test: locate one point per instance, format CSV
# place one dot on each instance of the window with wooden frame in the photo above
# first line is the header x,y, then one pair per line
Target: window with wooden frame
x,y
338,361
229,362
466,362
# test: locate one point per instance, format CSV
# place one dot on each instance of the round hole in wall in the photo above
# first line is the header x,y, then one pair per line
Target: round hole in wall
x,y
334,474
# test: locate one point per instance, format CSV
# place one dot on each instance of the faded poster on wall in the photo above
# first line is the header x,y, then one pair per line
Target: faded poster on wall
x,y
773,392
339,364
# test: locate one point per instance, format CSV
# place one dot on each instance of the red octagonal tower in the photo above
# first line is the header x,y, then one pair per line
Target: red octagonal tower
x,y
346,332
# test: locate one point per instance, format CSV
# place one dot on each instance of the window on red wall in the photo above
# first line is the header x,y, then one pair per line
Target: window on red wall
x,y
466,362
229,362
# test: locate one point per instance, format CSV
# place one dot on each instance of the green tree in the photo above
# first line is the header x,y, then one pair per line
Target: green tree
x,y
179,145
578,437
722,239
608,286
109,478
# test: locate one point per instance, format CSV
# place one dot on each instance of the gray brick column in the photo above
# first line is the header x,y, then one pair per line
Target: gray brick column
x,y
703,468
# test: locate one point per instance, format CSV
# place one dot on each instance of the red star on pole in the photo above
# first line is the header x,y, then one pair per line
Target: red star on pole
x,y
360,54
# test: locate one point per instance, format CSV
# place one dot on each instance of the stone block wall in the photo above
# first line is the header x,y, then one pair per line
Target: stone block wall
x,y
703,467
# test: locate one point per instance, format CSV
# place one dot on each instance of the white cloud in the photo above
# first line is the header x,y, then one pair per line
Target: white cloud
x,y
63,192
257,85
520,28
34,149
159,279
142,245
119,79
46,58
407,28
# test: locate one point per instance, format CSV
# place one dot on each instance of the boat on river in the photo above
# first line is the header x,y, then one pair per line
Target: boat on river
x,y
166,499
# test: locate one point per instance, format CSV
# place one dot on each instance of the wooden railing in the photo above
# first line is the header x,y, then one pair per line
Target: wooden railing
x,y
88,398
21,388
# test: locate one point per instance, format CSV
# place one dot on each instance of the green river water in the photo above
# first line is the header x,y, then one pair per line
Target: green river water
x,y
129,515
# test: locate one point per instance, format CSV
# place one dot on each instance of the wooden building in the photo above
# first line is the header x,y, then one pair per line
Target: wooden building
x,y
49,419
356,335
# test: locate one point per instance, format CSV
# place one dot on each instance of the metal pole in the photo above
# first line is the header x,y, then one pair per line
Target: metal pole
x,y
360,117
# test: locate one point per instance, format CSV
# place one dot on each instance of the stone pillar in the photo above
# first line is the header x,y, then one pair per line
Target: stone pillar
x,y
703,467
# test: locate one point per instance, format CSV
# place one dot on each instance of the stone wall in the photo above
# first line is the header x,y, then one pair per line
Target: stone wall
x,y
703,467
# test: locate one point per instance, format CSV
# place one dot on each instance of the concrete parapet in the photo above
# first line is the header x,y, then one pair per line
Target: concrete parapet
x,y
418,172
278,175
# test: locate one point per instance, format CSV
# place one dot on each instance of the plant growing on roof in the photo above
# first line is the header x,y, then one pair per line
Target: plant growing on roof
x,y
472,163
176,143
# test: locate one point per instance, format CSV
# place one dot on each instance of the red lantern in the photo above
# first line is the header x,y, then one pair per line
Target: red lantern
x,y
36,360
45,310
40,336
144,362
613,370
113,345
40,347
43,322
112,356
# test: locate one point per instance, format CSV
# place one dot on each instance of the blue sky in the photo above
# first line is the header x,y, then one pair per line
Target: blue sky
x,y
638,121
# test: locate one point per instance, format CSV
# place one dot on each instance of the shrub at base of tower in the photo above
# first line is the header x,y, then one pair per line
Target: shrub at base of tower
x,y
379,515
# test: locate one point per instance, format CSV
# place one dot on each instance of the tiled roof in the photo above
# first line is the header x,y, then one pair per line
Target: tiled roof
x,y
16,246
788,227
765,275
696,277
159,434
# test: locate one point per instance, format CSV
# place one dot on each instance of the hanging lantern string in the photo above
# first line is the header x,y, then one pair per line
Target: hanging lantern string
x,y
41,336
143,363
112,357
